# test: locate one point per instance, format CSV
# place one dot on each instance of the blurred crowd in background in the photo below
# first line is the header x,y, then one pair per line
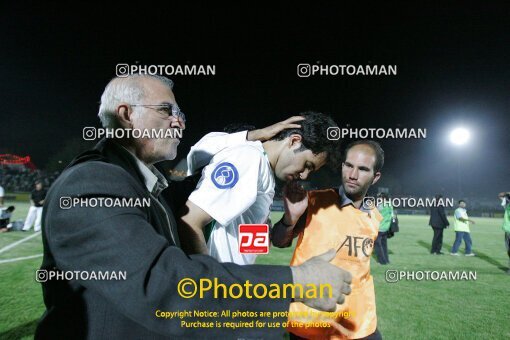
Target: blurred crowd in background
x,y
22,179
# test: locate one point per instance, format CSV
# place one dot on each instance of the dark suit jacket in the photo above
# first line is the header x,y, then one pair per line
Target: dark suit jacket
x,y
438,218
140,241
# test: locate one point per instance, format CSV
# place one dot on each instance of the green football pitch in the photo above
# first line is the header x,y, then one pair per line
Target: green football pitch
x,y
476,309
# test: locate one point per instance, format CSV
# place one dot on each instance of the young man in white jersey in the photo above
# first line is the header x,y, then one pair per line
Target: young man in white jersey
x,y
237,185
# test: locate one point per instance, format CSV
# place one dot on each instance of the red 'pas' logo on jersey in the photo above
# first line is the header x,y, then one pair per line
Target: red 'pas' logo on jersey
x,y
253,238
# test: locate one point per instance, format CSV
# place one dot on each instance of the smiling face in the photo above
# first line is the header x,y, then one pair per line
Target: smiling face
x,y
358,171
297,165
151,150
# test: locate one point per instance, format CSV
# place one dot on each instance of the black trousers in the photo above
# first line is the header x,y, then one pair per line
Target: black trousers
x,y
381,248
437,241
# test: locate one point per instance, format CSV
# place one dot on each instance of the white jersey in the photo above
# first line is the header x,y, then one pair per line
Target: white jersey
x,y
203,151
236,187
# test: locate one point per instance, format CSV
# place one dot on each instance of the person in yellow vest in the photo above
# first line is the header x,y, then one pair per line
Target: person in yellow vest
x,y
345,220
461,226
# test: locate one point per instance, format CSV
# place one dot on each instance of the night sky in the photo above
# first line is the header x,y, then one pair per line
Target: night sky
x,y
453,70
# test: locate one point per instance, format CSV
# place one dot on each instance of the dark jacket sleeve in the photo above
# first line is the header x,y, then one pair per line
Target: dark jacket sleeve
x,y
438,218
121,239
443,217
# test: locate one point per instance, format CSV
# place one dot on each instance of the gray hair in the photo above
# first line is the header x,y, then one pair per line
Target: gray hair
x,y
126,89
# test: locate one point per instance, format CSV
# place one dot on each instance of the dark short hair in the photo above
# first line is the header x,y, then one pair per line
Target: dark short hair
x,y
314,136
238,127
460,201
376,147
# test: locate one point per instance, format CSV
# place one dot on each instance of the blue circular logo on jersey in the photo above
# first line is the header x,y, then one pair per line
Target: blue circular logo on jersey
x,y
225,175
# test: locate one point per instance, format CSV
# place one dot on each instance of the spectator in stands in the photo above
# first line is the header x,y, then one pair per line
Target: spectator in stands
x,y
36,205
16,180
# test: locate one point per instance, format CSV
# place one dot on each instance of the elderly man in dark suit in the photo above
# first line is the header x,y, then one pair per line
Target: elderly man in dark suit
x,y
438,222
142,240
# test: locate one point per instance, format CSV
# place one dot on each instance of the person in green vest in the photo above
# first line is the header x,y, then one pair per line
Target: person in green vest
x,y
381,242
505,203
461,226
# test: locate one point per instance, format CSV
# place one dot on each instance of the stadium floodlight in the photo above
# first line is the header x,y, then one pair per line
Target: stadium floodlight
x,y
459,136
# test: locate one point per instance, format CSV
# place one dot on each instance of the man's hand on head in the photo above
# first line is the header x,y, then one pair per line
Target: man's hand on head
x,y
295,200
316,271
271,131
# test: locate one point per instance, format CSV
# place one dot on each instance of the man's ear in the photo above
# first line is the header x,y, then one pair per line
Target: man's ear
x,y
376,177
295,141
124,114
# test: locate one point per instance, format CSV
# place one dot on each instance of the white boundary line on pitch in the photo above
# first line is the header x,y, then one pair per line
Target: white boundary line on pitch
x,y
21,258
12,245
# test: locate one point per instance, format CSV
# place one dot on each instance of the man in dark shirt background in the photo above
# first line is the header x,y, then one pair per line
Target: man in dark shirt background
x,y
438,222
36,206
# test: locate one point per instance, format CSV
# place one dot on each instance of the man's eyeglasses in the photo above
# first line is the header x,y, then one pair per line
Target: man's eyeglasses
x,y
166,109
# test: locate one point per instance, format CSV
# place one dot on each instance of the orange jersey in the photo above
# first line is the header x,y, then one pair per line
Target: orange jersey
x,y
352,232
